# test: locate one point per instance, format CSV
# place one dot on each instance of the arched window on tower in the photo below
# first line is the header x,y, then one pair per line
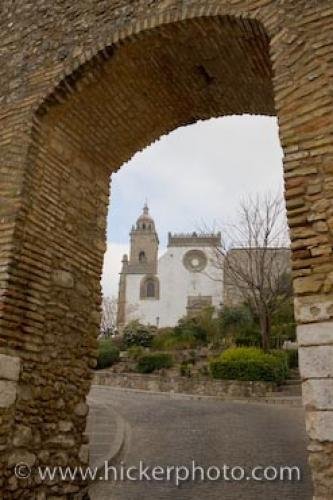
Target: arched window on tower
x,y
150,288
142,257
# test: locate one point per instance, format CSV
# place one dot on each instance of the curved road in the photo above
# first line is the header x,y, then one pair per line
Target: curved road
x,y
167,431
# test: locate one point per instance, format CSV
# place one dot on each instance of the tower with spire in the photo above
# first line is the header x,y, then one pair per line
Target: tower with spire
x,y
144,245
142,261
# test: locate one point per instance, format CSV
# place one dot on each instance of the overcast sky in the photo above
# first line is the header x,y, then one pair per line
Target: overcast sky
x,y
192,178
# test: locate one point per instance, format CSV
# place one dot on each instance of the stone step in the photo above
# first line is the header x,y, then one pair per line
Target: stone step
x,y
278,399
293,381
292,390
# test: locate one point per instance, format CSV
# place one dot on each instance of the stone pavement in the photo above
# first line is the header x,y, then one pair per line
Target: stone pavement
x,y
175,431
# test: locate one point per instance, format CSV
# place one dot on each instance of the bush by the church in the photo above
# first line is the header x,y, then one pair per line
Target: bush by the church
x,y
164,340
283,325
188,334
284,360
248,336
250,363
155,361
168,340
118,342
185,369
238,327
192,328
292,355
137,334
108,354
135,352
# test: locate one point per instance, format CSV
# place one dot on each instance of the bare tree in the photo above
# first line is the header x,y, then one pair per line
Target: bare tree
x,y
255,260
109,316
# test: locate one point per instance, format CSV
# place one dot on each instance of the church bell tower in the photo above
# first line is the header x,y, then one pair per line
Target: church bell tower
x,y
144,245
143,261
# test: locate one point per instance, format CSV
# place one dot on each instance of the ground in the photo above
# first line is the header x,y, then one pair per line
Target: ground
x,y
165,430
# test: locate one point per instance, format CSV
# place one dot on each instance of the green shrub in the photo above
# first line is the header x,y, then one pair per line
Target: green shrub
x,y
283,324
135,352
189,333
239,327
169,339
234,318
236,353
137,334
185,369
166,340
151,362
292,355
283,358
282,332
209,323
192,358
191,328
249,363
248,335
118,342
108,354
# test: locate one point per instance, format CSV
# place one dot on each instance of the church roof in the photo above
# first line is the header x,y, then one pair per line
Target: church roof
x,y
194,239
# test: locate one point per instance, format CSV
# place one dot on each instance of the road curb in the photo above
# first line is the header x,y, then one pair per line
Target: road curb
x,y
114,455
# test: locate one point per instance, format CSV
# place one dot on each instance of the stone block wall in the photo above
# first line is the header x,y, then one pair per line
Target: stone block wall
x,y
316,365
85,85
183,385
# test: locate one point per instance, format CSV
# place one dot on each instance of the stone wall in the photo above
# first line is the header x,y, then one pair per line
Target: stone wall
x,y
85,85
184,385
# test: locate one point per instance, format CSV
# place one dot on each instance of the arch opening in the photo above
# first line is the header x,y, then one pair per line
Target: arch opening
x,y
150,84
164,78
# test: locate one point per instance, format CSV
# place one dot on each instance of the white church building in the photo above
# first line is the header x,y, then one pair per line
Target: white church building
x,y
161,290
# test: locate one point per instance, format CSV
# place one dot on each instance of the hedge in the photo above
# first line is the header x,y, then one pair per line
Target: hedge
x,y
242,363
108,354
284,360
151,362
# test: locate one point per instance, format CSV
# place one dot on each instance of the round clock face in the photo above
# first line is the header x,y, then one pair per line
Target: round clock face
x,y
195,261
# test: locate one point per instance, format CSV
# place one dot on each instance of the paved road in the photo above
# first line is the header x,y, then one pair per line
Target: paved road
x,y
166,431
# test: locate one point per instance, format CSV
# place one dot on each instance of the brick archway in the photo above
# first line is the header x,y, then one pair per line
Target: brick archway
x,y
62,140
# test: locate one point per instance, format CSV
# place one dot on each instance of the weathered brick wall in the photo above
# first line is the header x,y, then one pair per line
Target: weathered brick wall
x,y
128,73
56,281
